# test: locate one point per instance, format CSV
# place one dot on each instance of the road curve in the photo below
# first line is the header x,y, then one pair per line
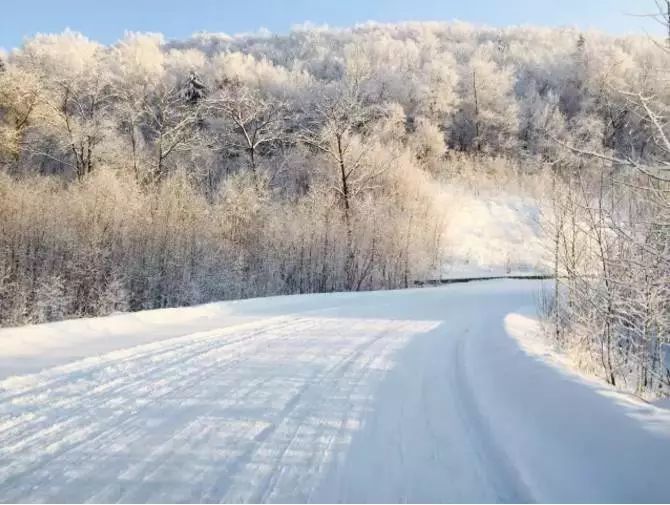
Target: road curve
x,y
416,395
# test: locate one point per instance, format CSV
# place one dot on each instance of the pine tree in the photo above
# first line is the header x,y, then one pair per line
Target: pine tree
x,y
194,90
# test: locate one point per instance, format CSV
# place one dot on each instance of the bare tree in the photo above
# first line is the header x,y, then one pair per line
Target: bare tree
x,y
334,128
252,121
171,122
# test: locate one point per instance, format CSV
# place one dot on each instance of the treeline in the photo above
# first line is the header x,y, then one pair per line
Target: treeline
x,y
214,105
107,244
151,173
166,191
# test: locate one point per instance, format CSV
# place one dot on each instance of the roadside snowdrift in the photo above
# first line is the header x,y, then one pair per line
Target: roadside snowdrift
x,y
574,414
30,348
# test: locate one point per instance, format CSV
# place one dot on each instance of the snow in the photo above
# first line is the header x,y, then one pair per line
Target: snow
x,y
624,434
422,395
493,233
458,270
29,349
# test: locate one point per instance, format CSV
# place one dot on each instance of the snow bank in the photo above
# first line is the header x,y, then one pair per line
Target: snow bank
x,y
30,348
569,438
526,328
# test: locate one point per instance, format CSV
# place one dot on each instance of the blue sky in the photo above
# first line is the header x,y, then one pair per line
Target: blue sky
x,y
107,20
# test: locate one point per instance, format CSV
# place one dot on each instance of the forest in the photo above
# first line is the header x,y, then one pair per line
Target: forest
x,y
158,173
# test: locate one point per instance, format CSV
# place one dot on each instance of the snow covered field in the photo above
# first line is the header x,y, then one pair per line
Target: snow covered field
x,y
434,394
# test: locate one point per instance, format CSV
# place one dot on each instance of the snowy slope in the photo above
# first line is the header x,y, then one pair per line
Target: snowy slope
x,y
492,233
416,395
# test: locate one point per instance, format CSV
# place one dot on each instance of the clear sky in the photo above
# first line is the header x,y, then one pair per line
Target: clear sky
x,y
106,20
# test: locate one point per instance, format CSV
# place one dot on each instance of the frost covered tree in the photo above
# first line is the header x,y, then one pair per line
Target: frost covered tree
x,y
335,128
76,97
488,114
20,108
137,65
245,121
616,306
171,125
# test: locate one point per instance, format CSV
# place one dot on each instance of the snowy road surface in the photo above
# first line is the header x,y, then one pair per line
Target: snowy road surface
x,y
417,395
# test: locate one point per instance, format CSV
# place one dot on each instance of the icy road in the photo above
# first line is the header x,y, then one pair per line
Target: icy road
x,y
419,395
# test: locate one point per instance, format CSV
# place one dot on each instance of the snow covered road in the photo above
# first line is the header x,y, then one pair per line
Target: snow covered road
x,y
416,395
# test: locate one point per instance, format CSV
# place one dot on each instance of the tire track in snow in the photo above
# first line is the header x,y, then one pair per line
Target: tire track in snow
x,y
65,374
110,428
337,374
501,471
